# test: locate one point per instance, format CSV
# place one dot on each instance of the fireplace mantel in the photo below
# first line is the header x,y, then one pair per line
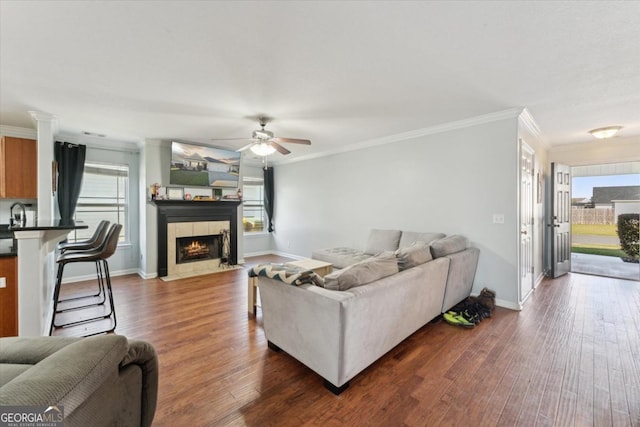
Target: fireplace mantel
x,y
191,211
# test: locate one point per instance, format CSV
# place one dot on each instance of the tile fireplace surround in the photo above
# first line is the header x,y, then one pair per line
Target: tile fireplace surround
x,y
178,218
192,229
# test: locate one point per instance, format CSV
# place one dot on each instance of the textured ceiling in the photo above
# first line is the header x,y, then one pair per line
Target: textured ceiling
x,y
338,73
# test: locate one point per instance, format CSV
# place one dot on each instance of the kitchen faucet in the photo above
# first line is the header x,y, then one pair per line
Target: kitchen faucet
x,y
18,219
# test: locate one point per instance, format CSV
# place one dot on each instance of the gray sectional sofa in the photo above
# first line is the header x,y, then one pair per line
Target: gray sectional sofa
x,y
398,283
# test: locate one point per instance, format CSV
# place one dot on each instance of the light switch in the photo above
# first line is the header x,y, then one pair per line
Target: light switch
x,y
3,282
498,218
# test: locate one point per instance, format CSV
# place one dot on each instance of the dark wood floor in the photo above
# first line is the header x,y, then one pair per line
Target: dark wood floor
x,y
570,358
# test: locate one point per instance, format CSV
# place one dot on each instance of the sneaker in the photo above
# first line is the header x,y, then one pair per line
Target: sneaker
x,y
453,318
471,315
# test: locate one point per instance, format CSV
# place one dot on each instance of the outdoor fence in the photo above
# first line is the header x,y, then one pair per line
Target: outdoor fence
x,y
592,216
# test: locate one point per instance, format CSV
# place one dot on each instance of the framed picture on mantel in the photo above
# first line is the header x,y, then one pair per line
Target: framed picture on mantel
x,y
175,193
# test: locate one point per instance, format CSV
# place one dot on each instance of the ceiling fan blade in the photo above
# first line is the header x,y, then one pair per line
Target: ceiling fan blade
x,y
231,139
279,147
245,147
292,140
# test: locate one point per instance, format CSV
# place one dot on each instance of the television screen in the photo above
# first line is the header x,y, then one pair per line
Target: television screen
x,y
199,165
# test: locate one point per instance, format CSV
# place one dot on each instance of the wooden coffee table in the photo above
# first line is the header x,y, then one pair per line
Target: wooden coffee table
x,y
321,268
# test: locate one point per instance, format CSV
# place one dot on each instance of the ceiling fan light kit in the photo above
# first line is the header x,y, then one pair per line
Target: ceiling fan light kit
x,y
263,143
262,149
606,132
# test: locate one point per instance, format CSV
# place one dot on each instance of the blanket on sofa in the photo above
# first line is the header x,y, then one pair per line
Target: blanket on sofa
x,y
290,275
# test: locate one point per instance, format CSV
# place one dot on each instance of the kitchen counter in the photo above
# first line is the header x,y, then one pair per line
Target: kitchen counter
x,y
48,225
8,245
36,266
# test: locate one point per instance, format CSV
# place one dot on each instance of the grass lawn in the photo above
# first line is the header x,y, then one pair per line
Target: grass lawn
x,y
596,249
585,249
595,229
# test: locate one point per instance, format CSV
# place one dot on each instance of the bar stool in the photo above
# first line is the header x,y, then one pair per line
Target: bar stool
x,y
92,243
99,256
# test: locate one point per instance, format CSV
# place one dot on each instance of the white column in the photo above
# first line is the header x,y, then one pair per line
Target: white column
x,y
46,126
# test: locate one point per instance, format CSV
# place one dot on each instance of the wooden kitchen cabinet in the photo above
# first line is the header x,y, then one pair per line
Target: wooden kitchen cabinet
x,y
9,297
18,168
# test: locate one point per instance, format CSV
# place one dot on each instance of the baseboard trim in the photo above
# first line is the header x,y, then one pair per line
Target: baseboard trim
x,y
147,275
539,280
508,304
284,254
116,273
258,253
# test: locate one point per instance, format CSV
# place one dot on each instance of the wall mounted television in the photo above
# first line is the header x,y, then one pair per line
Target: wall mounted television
x,y
199,165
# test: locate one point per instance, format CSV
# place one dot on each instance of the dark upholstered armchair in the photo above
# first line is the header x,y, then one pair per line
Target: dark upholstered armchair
x,y
103,380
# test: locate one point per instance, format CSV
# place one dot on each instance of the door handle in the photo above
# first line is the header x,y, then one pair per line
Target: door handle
x,y
523,232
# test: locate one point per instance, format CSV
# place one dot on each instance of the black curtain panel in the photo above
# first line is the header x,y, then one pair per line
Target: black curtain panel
x,y
269,192
70,159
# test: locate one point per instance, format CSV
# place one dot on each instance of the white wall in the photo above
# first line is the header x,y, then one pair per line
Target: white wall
x,y
451,182
157,159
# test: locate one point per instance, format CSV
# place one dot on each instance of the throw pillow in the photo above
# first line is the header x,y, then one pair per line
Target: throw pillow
x,y
449,245
364,272
416,254
409,237
382,240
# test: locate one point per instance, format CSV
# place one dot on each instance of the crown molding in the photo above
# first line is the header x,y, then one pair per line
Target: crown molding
x,y
511,113
100,143
18,132
530,124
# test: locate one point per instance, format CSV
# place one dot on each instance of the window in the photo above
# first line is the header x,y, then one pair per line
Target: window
x,y
253,214
103,196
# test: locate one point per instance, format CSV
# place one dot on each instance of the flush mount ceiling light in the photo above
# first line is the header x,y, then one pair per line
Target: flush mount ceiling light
x,y
608,132
263,149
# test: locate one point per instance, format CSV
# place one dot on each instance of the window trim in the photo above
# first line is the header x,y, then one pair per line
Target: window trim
x,y
117,169
257,182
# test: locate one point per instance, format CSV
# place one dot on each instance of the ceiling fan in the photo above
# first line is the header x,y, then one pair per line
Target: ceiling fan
x,y
263,143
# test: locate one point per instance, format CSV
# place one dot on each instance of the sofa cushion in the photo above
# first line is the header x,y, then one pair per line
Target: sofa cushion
x,y
9,371
449,245
340,257
410,237
382,240
416,254
364,272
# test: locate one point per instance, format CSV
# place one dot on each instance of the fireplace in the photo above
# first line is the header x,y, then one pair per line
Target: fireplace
x,y
198,248
182,219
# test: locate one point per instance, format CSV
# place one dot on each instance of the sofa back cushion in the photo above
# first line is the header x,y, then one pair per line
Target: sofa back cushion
x,y
415,254
410,237
449,245
382,240
359,274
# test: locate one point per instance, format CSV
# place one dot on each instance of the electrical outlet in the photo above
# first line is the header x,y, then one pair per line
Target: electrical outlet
x,y
498,218
3,282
